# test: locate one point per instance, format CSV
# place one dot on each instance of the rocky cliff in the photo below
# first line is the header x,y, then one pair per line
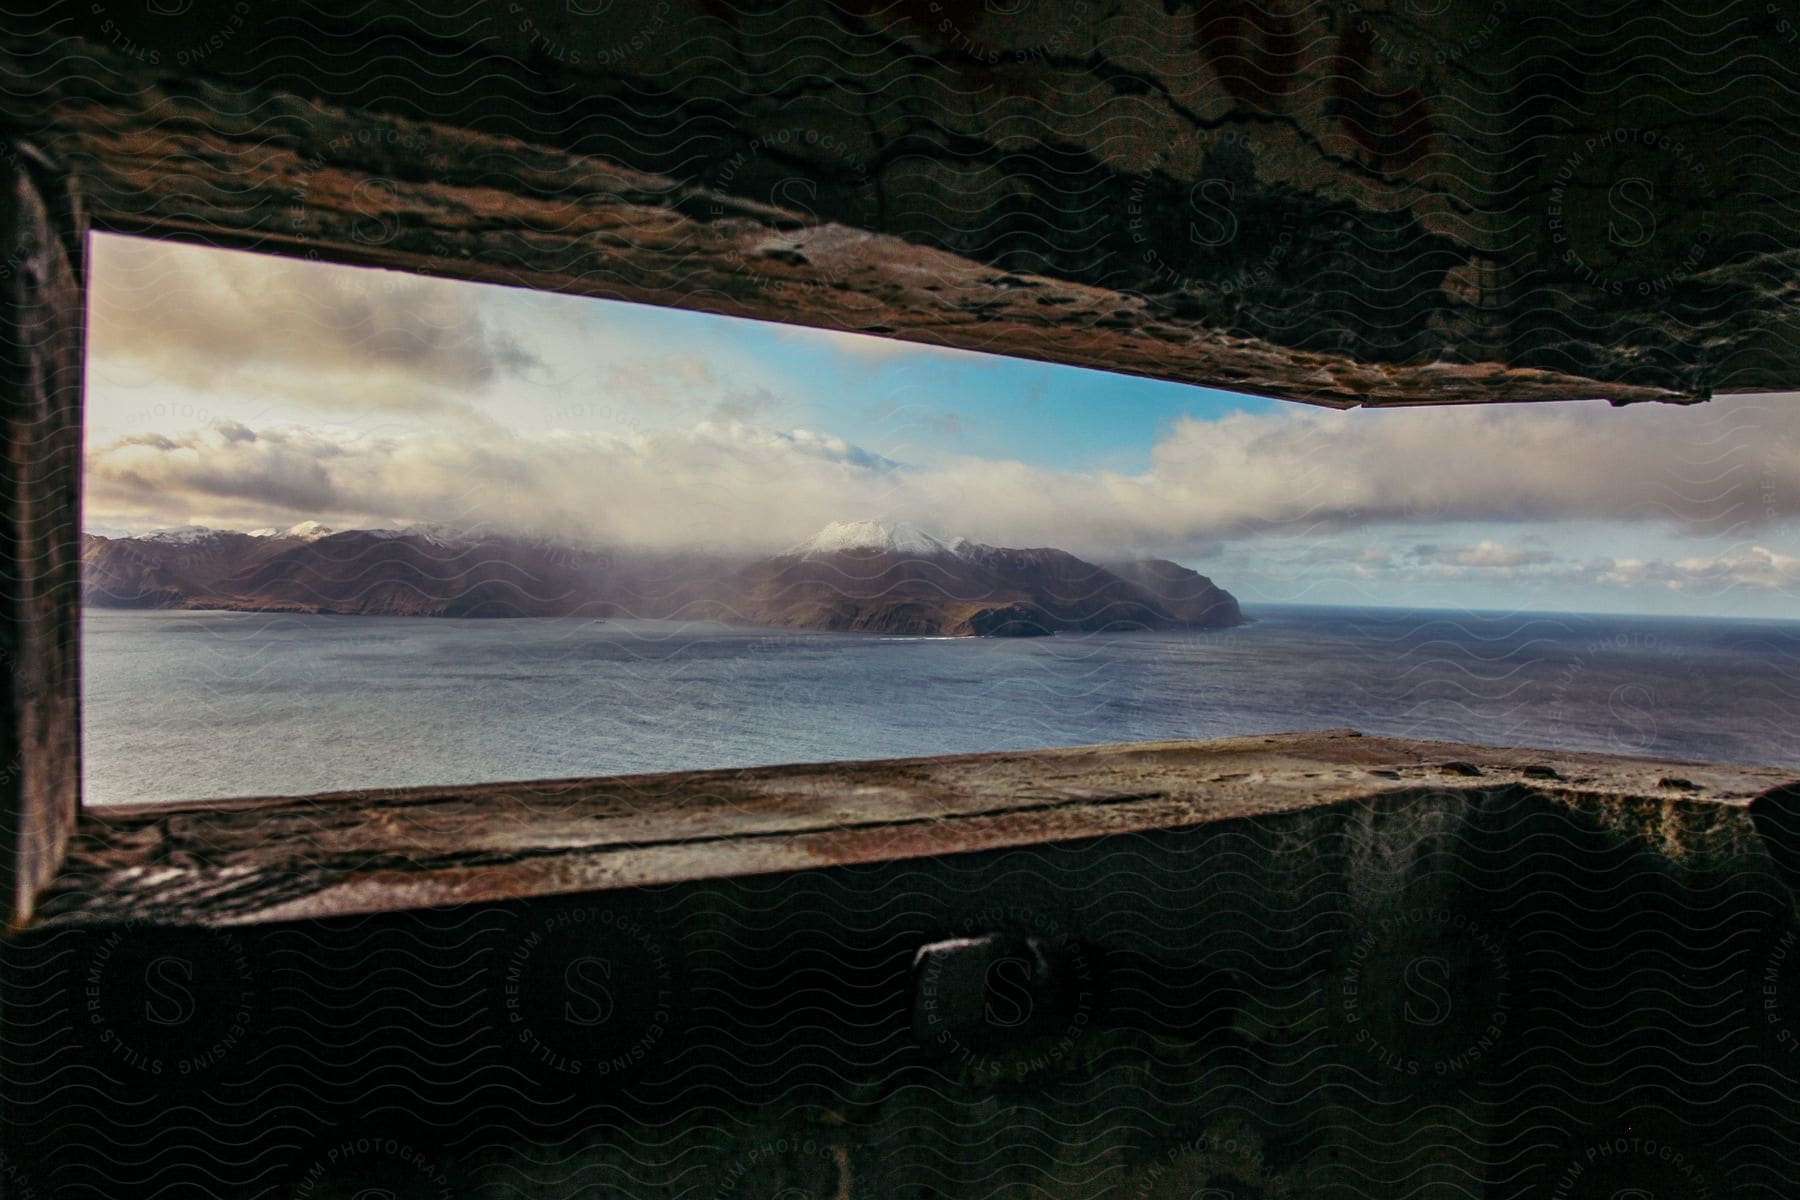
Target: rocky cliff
x,y
857,576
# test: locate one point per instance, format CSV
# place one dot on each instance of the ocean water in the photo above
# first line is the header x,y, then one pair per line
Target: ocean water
x,y
193,705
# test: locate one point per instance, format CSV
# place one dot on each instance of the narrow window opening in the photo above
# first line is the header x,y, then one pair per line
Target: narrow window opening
x,y
355,529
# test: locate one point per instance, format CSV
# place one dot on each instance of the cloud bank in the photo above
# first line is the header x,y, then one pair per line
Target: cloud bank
x,y
1729,469
331,339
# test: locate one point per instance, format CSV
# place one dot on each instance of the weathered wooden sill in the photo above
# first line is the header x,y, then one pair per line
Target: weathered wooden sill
x,y
282,858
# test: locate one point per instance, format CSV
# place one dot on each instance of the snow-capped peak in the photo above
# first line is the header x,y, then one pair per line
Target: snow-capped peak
x,y
181,534
439,534
312,531
894,537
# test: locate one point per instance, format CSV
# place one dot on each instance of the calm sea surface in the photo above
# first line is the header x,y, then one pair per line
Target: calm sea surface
x,y
190,705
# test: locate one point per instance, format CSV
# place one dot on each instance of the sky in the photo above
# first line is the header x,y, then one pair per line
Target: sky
x,y
242,391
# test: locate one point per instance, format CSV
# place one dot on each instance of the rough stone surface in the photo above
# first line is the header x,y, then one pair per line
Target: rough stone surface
x,y
1288,205
231,862
1304,966
1314,966
40,474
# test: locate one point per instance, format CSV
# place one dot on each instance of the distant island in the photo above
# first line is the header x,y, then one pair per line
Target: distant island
x,y
859,576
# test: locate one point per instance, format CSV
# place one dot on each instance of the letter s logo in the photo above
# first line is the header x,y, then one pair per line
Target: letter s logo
x,y
1215,223
1008,992
166,980
1427,983
375,201
1632,708
1631,201
591,1000
798,193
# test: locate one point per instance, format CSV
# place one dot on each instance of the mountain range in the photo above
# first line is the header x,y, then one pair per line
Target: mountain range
x,y
865,576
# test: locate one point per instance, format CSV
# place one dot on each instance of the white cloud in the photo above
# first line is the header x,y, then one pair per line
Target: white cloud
x,y
1485,553
1724,470
719,483
329,338
1758,568
870,347
1729,464
598,429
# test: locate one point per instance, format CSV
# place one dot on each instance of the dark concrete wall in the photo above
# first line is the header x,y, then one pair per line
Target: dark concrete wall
x,y
41,323
1423,993
1593,189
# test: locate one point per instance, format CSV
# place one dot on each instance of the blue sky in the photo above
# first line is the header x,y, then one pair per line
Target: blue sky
x,y
876,391
241,391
